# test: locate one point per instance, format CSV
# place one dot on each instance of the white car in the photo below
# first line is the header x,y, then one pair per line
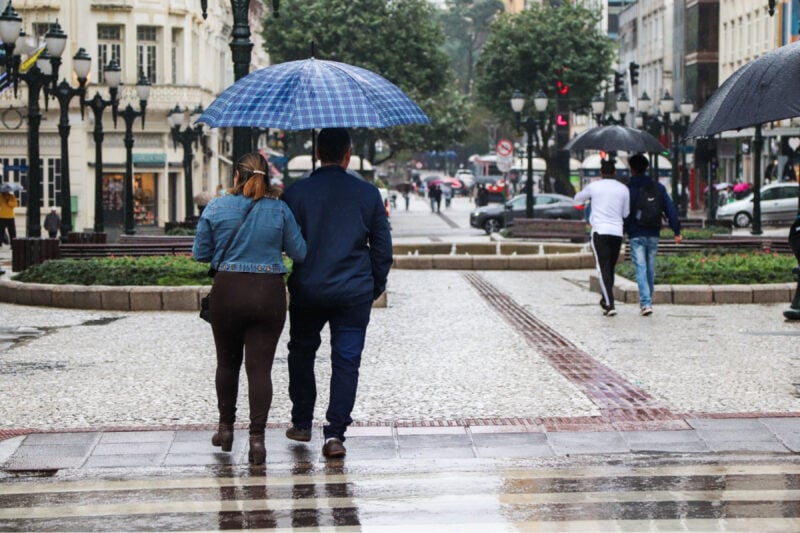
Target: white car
x,y
778,204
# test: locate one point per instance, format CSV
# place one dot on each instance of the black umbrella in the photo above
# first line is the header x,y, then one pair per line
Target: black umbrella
x,y
611,138
761,91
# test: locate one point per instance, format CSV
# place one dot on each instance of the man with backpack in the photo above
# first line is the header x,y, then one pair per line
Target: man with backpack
x,y
649,204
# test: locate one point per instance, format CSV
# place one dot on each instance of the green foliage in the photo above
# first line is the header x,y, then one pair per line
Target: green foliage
x,y
159,270
696,233
532,51
181,231
401,41
718,268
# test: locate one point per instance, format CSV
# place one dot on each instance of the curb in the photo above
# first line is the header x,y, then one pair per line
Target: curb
x,y
627,291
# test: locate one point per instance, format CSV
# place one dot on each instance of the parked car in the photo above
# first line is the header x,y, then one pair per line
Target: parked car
x,y
491,218
778,204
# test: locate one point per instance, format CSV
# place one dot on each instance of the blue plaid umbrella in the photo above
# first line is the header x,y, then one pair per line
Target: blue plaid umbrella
x,y
313,93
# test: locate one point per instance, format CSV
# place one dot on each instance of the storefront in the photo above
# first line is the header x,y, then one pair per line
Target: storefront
x,y
145,199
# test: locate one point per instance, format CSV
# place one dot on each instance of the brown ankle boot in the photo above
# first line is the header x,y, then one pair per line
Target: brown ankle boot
x,y
223,437
258,453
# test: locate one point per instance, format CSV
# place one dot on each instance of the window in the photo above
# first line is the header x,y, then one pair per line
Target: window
x,y
146,47
109,46
52,178
16,171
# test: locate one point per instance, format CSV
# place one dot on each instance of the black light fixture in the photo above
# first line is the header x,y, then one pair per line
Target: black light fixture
x,y
530,125
113,76
599,108
40,77
64,93
129,115
188,136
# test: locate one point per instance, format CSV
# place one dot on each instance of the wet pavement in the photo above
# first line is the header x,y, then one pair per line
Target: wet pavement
x,y
489,401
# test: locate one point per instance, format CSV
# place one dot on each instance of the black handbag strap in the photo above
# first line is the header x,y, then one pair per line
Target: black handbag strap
x,y
236,231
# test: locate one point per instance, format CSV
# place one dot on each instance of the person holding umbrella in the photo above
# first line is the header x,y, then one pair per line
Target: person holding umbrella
x,y
8,202
610,206
649,203
349,256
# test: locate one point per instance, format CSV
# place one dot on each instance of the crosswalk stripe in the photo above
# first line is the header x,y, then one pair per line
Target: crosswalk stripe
x,y
506,475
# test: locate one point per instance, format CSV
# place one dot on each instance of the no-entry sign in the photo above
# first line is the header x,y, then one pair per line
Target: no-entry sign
x,y
504,148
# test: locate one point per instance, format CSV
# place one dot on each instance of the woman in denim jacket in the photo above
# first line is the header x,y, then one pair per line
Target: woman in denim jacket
x,y
248,298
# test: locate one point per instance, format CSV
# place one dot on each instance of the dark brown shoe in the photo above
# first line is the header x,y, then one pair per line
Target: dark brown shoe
x,y
258,453
295,433
334,448
223,437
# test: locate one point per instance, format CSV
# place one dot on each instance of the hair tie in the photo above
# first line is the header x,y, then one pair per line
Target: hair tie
x,y
259,172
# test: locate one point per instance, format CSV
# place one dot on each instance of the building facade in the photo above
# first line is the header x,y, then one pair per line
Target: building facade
x,y
187,60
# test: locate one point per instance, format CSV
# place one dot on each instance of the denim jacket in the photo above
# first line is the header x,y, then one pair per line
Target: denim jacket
x,y
269,230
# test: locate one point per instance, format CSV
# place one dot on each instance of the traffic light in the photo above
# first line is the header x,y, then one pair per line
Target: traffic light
x,y
618,81
634,71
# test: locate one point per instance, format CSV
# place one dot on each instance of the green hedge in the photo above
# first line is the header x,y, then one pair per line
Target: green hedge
x,y
719,269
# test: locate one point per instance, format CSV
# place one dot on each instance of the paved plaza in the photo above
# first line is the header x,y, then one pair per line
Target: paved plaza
x,y
463,373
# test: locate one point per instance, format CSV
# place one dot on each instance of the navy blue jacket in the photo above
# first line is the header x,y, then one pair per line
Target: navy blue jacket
x,y
633,229
345,226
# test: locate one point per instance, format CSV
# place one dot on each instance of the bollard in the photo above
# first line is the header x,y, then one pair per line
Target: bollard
x,y
793,313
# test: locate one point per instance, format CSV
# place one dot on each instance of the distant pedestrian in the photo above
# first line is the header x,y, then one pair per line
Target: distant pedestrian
x,y
610,205
52,223
447,192
435,197
649,204
482,196
8,229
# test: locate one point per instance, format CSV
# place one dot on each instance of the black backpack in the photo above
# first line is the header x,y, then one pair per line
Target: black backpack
x,y
649,207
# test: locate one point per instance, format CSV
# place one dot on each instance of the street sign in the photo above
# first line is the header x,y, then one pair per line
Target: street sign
x,y
23,168
505,148
504,163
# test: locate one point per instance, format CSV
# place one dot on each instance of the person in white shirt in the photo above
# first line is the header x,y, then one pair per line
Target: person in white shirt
x,y
610,205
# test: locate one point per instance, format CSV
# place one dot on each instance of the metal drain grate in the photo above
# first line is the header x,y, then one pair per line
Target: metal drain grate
x,y
616,397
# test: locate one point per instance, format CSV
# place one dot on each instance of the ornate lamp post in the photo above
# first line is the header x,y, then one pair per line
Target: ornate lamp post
x,y
38,78
531,125
64,93
129,115
188,137
599,107
680,122
241,47
113,76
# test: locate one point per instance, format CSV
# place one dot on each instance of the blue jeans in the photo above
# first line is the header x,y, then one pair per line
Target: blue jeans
x,y
348,327
643,255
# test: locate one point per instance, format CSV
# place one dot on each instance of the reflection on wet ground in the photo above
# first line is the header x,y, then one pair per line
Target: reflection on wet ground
x,y
677,493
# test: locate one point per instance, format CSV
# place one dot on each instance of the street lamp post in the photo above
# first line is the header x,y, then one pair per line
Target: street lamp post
x,y
530,124
187,137
38,78
680,122
599,107
64,93
129,115
241,48
113,76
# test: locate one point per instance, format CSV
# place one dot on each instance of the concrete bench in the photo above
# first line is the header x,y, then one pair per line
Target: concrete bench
x,y
545,228
721,244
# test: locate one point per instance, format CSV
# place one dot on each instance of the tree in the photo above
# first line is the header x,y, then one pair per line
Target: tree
x,y
533,51
401,41
466,25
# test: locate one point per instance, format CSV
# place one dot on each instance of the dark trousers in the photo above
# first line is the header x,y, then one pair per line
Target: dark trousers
x,y
7,224
248,312
348,327
606,253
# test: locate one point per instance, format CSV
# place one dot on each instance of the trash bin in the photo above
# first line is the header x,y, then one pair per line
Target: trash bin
x,y
27,252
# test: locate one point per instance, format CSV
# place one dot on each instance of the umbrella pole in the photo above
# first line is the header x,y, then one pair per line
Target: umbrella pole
x,y
313,150
758,145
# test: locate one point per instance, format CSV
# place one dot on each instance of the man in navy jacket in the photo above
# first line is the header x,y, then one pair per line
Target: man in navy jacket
x,y
345,226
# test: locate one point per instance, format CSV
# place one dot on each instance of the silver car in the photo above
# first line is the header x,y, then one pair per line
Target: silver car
x,y
778,204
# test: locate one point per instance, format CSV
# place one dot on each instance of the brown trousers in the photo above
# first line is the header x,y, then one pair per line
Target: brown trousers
x,y
247,312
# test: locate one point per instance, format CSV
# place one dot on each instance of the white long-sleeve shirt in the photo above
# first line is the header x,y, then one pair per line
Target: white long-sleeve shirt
x,y
611,203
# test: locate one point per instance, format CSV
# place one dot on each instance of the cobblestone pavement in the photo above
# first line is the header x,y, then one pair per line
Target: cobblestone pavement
x,y
440,352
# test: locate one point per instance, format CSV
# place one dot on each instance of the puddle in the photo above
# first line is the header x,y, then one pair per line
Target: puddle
x,y
101,321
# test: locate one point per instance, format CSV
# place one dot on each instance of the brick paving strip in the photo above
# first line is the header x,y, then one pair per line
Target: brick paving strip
x,y
622,405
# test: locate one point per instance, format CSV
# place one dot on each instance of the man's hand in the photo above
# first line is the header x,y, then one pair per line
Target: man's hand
x,y
678,239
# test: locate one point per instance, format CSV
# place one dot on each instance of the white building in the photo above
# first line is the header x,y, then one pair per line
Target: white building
x,y
188,61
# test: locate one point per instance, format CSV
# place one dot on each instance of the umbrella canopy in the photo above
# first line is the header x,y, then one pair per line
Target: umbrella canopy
x,y
763,90
610,138
313,93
